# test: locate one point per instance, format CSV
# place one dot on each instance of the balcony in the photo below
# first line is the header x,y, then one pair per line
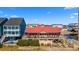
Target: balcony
x,y
11,30
42,37
12,35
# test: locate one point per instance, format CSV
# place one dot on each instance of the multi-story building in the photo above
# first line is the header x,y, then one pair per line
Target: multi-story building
x,y
72,26
44,33
31,25
73,30
2,22
58,25
14,28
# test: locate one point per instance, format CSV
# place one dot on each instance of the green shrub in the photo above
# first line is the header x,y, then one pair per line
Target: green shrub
x,y
28,42
35,43
42,44
23,43
75,37
48,44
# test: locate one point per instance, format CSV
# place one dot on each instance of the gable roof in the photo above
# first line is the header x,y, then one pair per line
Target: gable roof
x,y
43,28
2,20
14,21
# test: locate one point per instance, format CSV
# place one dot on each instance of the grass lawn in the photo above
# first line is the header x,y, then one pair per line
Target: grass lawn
x,y
36,48
9,48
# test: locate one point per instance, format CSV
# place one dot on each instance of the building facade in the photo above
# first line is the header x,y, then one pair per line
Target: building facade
x,y
73,31
14,28
46,34
57,25
73,26
2,22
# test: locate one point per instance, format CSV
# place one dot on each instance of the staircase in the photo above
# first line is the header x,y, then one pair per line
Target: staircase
x,y
2,39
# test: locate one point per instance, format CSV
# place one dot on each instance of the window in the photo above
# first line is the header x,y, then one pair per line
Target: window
x,y
9,32
16,27
5,32
5,27
13,27
9,27
13,32
17,32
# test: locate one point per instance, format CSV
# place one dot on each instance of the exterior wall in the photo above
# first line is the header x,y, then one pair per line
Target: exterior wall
x,y
44,38
57,25
73,26
22,27
11,31
0,30
1,26
14,31
42,35
45,42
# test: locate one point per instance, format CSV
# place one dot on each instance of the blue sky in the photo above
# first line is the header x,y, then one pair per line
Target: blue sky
x,y
42,15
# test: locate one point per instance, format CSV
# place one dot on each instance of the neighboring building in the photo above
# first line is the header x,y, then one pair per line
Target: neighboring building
x,y
64,30
2,22
29,25
57,25
73,30
14,28
73,26
44,33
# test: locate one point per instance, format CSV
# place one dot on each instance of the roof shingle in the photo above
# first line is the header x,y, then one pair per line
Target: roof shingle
x,y
14,21
40,28
2,19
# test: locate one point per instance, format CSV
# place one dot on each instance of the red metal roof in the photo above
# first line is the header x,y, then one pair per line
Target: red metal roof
x,y
43,28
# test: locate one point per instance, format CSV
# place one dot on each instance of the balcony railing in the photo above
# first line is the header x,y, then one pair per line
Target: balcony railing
x,y
11,30
14,35
42,37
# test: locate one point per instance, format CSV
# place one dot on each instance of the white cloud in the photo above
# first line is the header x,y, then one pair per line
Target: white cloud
x,y
76,14
73,15
14,16
68,8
